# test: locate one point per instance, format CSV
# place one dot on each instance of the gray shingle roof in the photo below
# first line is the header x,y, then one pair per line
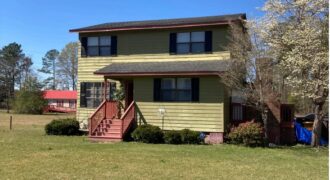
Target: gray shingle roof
x,y
162,22
213,66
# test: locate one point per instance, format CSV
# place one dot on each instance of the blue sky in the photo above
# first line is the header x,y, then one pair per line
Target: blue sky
x,y
41,25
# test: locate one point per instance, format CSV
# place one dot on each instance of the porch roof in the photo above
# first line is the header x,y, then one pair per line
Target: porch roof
x,y
211,67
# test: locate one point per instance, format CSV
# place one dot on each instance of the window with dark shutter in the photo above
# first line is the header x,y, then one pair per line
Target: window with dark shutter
x,y
157,84
174,90
195,89
208,41
83,46
100,46
83,94
92,93
114,45
173,43
191,42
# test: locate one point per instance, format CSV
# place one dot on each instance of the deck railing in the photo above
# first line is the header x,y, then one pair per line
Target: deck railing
x,y
127,118
107,109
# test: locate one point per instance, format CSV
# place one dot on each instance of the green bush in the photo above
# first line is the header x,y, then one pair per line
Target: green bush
x,y
29,102
172,137
67,127
190,137
148,134
248,134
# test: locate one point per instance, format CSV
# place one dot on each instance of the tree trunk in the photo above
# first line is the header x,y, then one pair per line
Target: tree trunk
x,y
54,82
317,126
264,116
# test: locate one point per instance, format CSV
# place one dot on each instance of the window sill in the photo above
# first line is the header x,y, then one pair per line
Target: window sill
x,y
97,56
176,54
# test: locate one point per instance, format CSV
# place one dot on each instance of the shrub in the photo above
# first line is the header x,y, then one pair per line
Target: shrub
x,y
190,137
148,134
67,127
172,137
248,134
29,102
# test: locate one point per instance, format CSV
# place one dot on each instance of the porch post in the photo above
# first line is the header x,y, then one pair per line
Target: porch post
x,y
105,85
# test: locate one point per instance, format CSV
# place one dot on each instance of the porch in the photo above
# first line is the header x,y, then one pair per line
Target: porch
x,y
189,94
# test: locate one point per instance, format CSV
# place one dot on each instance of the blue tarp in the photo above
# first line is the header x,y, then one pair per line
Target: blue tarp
x,y
304,135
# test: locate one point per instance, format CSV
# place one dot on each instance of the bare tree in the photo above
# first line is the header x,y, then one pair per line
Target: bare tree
x,y
250,69
67,65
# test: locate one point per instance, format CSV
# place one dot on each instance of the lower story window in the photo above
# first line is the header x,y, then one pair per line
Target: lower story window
x,y
72,104
92,93
59,103
176,89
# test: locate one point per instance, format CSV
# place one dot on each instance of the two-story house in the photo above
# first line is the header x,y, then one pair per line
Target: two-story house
x,y
170,70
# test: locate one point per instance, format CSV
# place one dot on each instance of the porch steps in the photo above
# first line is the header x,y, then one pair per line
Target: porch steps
x,y
107,130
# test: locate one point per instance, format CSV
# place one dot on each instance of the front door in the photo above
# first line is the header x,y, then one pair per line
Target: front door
x,y
128,93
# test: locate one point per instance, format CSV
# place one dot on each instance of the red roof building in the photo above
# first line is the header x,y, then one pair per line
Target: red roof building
x,y
59,94
61,100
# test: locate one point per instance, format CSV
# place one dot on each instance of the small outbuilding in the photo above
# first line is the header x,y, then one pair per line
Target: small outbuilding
x,y
61,101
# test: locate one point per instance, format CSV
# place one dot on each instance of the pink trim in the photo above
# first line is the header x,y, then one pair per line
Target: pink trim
x,y
153,27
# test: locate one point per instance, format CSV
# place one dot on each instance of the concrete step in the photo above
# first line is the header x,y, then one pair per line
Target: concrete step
x,y
112,135
104,139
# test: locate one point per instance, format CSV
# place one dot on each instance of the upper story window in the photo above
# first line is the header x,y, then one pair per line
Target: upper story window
x,y
191,42
99,46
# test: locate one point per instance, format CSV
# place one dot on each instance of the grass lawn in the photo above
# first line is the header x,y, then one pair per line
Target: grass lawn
x,y
27,153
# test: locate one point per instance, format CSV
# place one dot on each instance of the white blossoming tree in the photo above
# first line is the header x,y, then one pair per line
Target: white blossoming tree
x,y
297,33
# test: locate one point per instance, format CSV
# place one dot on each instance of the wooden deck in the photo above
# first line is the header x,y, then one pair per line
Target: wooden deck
x,y
52,108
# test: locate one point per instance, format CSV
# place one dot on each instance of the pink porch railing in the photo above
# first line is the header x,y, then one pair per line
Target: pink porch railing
x,y
127,118
106,110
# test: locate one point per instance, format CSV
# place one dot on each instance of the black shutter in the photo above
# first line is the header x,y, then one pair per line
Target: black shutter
x,y
83,94
195,89
208,41
173,43
113,45
157,84
83,46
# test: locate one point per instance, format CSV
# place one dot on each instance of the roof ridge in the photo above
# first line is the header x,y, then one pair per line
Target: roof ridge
x,y
170,19
146,24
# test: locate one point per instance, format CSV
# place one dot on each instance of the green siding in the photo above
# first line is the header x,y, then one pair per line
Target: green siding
x,y
147,46
157,41
206,115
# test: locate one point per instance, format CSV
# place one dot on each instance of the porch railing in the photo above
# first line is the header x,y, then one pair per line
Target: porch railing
x,y
107,109
127,118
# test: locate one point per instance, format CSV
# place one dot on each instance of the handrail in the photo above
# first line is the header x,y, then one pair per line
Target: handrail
x,y
108,109
98,108
129,107
127,118
98,115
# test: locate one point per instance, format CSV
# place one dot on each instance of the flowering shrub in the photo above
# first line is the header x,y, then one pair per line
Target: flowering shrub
x,y
248,134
